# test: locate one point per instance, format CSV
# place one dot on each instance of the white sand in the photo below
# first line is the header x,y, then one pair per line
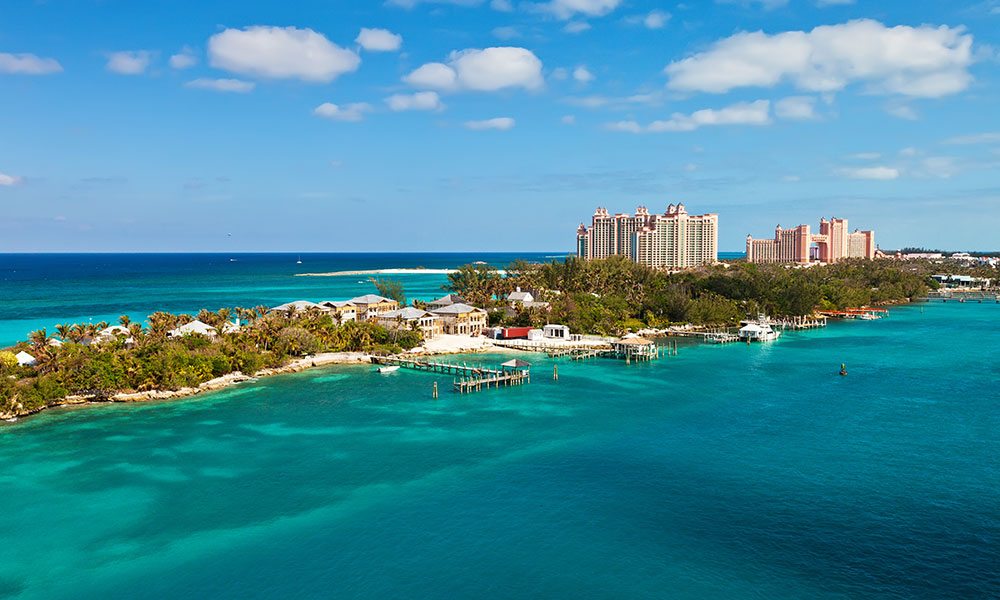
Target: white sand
x,y
454,344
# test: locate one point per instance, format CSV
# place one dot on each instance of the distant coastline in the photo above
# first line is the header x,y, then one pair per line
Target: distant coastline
x,y
396,271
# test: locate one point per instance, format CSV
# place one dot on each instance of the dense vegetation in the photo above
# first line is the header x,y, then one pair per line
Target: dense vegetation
x,y
613,295
147,359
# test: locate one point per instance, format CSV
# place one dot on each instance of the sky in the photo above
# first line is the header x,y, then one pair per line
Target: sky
x,y
491,125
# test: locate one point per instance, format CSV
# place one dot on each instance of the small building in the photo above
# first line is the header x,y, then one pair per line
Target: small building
x,y
515,365
518,297
535,335
370,306
112,333
445,301
341,311
26,360
556,332
297,306
410,318
462,319
633,347
195,327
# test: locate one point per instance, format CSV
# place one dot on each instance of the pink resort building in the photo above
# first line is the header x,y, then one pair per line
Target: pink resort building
x,y
799,245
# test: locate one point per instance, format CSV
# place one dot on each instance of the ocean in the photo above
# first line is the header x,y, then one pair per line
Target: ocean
x,y
723,472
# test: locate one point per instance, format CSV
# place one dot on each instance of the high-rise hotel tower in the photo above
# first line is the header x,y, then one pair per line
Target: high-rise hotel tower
x,y
833,243
673,240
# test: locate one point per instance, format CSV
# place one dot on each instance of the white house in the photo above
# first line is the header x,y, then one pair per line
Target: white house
x,y
295,306
556,332
26,360
445,301
109,334
193,328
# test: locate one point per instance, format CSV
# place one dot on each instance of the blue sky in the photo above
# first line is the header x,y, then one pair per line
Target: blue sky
x,y
436,125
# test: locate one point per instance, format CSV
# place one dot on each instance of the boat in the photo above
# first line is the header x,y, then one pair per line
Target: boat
x,y
299,261
758,330
388,369
868,317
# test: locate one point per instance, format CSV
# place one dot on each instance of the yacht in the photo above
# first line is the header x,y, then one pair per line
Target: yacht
x,y
388,369
758,331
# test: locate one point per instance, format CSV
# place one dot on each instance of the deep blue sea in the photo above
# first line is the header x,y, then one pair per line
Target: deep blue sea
x,y
723,472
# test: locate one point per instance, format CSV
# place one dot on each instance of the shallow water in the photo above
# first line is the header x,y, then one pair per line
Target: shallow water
x,y
725,472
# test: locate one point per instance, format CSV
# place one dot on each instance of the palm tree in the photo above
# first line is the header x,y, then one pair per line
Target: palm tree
x,y
38,338
64,331
124,320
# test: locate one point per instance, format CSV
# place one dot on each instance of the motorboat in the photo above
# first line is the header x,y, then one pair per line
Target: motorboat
x,y
384,369
758,331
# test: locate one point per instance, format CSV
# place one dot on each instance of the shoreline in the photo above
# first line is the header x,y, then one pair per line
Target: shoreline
x,y
444,347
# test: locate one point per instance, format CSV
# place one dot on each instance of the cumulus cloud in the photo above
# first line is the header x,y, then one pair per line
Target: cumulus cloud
x,y
379,40
498,123
9,180
576,27
349,112
129,62
920,61
583,75
185,59
742,113
799,108
417,101
656,19
236,86
280,53
567,9
486,70
877,173
902,111
28,64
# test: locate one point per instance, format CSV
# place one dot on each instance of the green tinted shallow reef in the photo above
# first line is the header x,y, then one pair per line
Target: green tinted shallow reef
x,y
725,472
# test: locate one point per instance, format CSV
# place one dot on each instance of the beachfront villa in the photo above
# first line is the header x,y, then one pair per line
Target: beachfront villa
x,y
461,319
195,327
370,306
410,318
799,245
342,311
670,241
112,333
298,305
519,299
447,300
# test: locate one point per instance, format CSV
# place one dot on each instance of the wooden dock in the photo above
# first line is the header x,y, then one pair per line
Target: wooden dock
x,y
471,378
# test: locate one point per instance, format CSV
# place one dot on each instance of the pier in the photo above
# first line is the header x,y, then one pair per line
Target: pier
x,y
471,378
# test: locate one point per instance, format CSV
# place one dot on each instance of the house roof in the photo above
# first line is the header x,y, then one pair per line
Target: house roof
x,y
516,363
194,327
296,306
635,341
448,299
530,304
337,303
456,309
370,299
23,358
520,296
407,314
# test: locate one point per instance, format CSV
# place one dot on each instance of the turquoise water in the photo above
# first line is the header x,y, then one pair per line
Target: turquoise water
x,y
724,472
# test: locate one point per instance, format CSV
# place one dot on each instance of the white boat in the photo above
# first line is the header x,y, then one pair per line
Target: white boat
x,y
299,261
758,331
388,369
868,317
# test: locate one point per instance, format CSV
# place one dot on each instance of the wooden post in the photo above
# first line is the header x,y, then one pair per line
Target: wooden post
x,y
435,393
555,372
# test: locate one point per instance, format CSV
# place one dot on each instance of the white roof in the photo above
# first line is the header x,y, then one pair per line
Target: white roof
x,y
520,296
456,309
337,303
369,299
752,328
296,306
196,327
446,300
23,358
555,326
407,314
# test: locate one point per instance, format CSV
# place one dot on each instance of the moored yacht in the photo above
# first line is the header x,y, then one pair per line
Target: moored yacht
x,y
758,331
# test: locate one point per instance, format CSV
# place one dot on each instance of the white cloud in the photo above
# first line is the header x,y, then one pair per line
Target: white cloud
x,y
502,5
765,4
417,101
576,27
379,40
865,156
616,102
498,123
236,86
280,53
902,111
943,167
656,19
976,138
185,59
408,4
129,62
743,113
909,151
920,61
799,108
582,74
486,70
349,112
9,180
567,9
568,120
878,173
825,3
790,178
28,64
